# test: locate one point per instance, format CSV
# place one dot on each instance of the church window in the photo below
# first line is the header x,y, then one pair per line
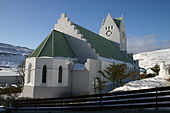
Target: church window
x,y
44,74
111,27
60,74
29,73
123,34
105,28
108,27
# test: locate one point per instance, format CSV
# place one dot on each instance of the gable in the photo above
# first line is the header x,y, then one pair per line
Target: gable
x,y
54,45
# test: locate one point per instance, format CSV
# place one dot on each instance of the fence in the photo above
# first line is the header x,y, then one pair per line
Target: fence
x,y
146,98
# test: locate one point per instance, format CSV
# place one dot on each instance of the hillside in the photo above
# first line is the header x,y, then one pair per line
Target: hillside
x,y
149,59
11,56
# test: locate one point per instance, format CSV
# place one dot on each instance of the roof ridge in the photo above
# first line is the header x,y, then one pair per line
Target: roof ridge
x,y
44,43
41,47
52,46
68,43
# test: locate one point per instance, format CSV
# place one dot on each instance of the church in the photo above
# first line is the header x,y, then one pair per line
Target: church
x,y
68,60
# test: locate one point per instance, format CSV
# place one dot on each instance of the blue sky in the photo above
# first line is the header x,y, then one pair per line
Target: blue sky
x,y
28,22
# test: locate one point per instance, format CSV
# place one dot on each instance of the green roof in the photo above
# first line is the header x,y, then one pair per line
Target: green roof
x,y
54,45
103,46
117,21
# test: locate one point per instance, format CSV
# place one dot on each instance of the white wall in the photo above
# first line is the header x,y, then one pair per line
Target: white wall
x,y
80,82
123,39
93,66
115,36
51,88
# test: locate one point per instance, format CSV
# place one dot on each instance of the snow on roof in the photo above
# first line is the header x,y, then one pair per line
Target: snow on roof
x,y
79,66
115,61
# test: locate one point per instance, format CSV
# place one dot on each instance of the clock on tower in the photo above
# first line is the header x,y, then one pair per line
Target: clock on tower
x,y
108,33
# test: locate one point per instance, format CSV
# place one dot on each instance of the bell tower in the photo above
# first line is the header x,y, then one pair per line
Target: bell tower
x,y
114,29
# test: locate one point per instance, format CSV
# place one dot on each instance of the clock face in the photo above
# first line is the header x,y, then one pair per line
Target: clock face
x,y
108,33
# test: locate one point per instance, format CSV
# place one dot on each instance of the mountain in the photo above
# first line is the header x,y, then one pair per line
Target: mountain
x,y
12,56
149,59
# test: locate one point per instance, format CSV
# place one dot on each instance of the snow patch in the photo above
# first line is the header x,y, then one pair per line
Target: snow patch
x,y
158,81
149,59
79,66
144,84
107,61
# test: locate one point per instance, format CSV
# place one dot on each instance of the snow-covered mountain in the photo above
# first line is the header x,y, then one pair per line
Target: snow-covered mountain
x,y
11,56
149,59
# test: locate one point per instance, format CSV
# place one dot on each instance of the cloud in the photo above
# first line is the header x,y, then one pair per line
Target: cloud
x,y
146,43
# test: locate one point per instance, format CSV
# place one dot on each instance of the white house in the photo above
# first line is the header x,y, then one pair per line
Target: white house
x,y
69,58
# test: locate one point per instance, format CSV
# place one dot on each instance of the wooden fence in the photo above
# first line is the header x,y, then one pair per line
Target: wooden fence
x,y
147,98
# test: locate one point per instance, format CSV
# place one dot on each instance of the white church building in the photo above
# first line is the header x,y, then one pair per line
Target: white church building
x,y
68,60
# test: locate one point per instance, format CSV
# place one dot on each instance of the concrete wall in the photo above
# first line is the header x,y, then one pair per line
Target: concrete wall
x,y
52,65
115,36
28,91
45,92
80,84
51,88
32,62
93,66
123,39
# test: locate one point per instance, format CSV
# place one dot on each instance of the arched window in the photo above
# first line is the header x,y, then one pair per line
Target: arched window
x,y
44,74
29,73
60,74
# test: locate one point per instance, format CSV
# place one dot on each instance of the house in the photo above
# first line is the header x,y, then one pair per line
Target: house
x,y
9,77
69,58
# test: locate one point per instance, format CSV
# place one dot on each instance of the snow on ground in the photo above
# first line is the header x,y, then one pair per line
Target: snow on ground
x,y
158,81
144,84
149,59
2,109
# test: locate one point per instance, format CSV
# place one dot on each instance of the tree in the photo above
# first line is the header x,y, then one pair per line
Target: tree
x,y
156,69
99,84
21,71
116,73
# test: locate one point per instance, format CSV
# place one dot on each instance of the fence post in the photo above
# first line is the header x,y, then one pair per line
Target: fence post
x,y
156,98
15,104
35,106
100,102
61,103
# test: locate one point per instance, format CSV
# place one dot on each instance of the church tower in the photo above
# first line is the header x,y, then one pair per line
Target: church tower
x,y
114,29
